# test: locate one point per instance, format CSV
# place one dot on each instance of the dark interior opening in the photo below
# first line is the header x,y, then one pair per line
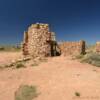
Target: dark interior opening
x,y
55,50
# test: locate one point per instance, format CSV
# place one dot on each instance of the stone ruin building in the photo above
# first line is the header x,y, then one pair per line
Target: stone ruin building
x,y
39,41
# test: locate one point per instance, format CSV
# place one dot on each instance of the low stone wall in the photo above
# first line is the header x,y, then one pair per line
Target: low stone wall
x,y
72,48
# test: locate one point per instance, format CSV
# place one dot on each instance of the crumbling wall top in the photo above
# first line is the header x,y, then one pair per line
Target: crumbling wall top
x,y
39,26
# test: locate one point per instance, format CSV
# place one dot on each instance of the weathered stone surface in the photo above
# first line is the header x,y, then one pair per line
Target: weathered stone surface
x,y
72,48
40,42
36,41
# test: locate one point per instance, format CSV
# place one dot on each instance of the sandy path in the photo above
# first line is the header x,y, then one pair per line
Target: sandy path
x,y
57,79
6,57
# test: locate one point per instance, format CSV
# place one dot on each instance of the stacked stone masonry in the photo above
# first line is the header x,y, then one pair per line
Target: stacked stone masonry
x,y
72,48
40,42
36,41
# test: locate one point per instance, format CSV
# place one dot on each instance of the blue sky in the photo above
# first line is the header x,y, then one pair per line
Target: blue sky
x,y
72,20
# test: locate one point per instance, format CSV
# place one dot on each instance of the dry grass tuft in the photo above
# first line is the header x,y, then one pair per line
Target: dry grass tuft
x,y
26,92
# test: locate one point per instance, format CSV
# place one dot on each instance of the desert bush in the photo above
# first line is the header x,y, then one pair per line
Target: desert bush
x,y
77,94
90,48
34,64
20,65
92,58
26,92
79,56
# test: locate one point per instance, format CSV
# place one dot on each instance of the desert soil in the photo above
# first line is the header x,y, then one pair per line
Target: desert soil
x,y
59,78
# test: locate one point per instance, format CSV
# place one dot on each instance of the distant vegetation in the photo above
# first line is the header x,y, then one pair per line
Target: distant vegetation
x,y
10,47
90,48
90,57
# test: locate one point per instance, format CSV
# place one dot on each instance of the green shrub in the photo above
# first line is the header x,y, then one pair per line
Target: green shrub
x,y
97,63
77,94
34,64
26,92
2,48
92,58
79,56
20,65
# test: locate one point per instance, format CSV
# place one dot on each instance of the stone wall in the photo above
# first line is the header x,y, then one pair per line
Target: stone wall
x,y
72,48
40,42
36,41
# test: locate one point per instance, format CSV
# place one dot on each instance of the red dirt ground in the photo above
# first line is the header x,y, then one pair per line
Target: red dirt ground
x,y
59,78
